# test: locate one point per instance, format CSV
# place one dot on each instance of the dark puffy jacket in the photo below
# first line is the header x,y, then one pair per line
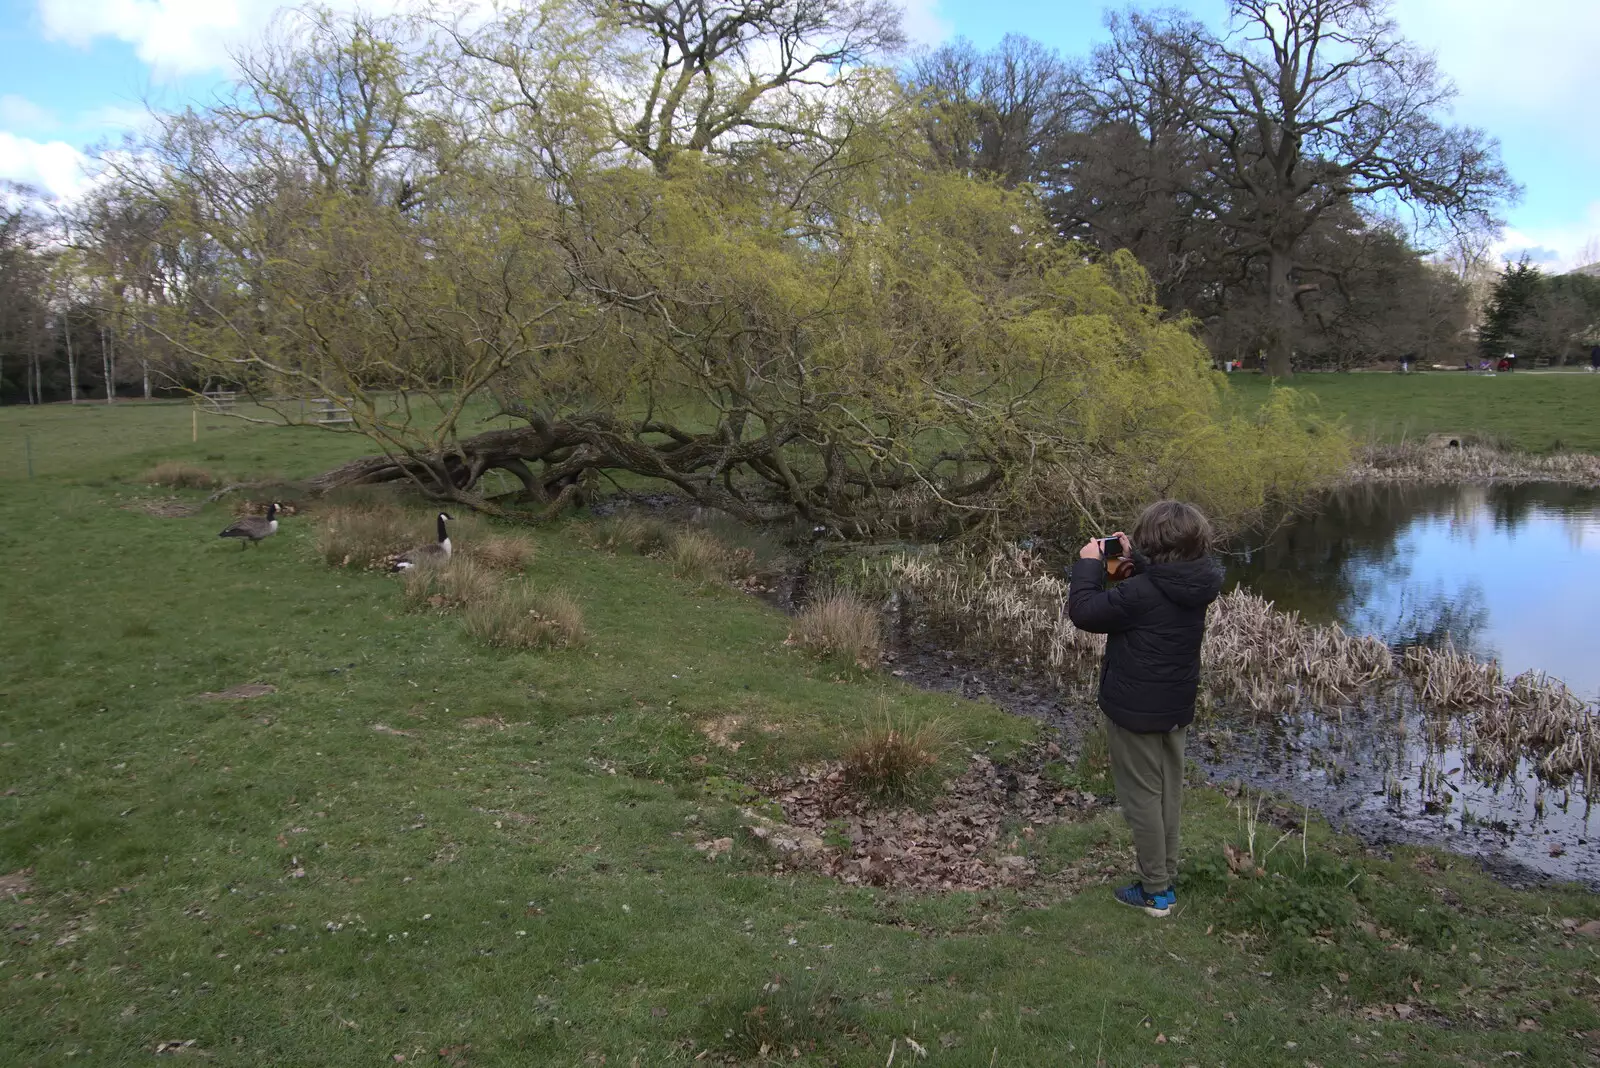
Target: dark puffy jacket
x,y
1154,623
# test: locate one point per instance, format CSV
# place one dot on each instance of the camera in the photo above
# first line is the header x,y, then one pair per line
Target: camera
x,y
1110,548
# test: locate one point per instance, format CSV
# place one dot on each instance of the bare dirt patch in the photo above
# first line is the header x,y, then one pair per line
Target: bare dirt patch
x,y
163,507
973,837
17,883
239,693
721,730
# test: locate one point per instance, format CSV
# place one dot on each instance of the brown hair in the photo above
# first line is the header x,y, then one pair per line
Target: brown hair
x,y
1170,531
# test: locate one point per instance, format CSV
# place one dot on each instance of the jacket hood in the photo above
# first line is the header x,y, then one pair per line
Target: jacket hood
x,y
1187,583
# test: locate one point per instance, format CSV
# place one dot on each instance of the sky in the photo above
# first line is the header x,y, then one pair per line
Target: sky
x,y
75,74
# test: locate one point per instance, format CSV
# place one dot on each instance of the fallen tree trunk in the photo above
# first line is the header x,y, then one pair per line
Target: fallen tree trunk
x,y
553,459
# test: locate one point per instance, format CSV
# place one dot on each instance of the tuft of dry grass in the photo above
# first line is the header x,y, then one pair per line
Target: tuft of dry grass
x,y
892,762
364,535
698,556
178,475
840,625
644,534
520,617
499,552
461,583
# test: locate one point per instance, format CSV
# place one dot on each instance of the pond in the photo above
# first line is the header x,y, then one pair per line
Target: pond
x,y
1509,572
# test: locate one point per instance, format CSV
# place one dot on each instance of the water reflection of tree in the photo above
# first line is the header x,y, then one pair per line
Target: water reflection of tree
x,y
1331,559
1335,560
1513,504
1441,618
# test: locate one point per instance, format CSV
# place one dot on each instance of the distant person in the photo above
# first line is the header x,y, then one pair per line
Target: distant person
x,y
1594,359
1154,623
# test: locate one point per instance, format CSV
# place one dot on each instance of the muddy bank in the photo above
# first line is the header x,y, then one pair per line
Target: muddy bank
x,y
1354,768
1376,768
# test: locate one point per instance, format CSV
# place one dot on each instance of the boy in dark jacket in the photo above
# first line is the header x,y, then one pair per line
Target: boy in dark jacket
x,y
1154,622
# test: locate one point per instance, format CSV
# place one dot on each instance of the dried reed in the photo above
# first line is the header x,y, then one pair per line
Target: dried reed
x,y
1261,659
1415,462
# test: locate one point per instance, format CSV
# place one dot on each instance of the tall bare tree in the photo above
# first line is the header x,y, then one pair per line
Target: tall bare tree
x,y
999,114
1297,109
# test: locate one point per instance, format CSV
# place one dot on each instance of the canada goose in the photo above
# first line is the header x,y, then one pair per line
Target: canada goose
x,y
253,528
436,552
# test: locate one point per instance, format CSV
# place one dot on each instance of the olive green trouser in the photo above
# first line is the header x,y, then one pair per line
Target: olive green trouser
x,y
1148,772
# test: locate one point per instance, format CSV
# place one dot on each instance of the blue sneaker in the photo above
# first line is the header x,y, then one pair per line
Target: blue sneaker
x,y
1152,904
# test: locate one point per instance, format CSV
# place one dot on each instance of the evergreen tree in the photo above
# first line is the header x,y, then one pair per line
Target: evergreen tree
x,y
1513,302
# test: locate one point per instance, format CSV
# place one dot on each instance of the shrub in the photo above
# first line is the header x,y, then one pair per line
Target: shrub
x,y
840,625
498,552
178,475
459,583
893,762
520,617
364,536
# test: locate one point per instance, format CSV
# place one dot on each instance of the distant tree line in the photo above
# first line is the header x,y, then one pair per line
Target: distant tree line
x,y
74,293
1272,175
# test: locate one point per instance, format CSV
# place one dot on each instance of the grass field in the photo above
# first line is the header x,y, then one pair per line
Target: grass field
x,y
1534,411
421,850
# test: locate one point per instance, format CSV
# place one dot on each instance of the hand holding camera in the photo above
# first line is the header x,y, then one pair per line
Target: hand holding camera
x,y
1116,551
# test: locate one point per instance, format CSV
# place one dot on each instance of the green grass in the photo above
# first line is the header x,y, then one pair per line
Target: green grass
x,y
420,844
1532,411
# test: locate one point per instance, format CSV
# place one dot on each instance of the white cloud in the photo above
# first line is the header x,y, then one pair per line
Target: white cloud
x,y
179,37
1555,249
924,25
1535,58
53,166
117,117
20,111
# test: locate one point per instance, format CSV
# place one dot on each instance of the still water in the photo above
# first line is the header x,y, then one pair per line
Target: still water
x,y
1510,572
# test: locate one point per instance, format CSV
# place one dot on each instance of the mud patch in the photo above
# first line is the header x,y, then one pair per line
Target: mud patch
x,y
384,728
239,693
974,836
17,883
163,508
720,732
